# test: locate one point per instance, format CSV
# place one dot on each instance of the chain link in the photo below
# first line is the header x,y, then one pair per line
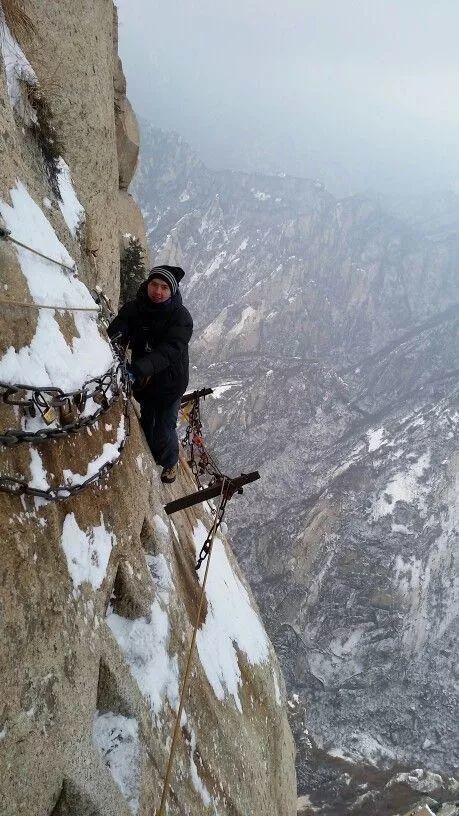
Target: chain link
x,y
203,464
54,404
20,487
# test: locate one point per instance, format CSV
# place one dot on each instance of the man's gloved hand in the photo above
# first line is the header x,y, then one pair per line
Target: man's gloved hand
x,y
131,374
136,379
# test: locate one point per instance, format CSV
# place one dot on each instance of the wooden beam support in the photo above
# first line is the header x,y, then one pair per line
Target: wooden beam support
x,y
192,395
235,486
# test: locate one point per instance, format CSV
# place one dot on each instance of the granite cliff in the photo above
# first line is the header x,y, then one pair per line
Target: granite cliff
x,y
98,590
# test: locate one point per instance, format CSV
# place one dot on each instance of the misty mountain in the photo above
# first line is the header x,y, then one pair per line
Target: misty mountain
x,y
331,327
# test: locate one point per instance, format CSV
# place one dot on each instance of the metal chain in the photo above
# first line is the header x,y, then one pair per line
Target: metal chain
x,y
219,514
200,460
53,403
20,487
201,463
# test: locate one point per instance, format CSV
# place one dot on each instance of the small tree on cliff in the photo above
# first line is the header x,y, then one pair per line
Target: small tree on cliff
x,y
132,269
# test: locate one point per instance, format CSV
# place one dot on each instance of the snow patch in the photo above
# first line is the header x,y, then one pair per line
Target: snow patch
x,y
258,194
363,748
87,553
231,624
110,453
248,315
403,487
18,71
276,689
145,643
419,780
71,209
195,778
375,438
117,739
50,360
221,389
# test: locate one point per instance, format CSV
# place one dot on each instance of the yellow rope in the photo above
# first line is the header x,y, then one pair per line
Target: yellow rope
x,y
47,306
162,810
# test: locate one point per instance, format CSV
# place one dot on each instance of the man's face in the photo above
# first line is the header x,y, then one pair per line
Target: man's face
x,y
158,290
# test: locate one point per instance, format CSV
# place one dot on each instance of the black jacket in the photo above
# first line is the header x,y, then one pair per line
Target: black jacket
x,y
158,335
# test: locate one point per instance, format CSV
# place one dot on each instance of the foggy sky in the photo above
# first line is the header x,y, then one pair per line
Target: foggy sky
x,y
362,94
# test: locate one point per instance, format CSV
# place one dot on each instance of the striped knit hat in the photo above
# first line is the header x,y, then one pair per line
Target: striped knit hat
x,y
172,275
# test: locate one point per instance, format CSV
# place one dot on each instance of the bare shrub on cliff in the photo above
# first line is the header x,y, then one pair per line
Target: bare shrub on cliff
x,y
17,20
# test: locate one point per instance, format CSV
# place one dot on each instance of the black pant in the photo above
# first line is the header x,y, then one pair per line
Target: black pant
x,y
159,423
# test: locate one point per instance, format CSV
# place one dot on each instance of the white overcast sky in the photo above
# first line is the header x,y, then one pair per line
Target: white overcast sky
x,y
362,94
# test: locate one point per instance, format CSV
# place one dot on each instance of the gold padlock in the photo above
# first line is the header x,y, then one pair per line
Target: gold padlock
x,y
49,416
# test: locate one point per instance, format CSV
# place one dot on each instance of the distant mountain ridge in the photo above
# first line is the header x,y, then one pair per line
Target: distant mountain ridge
x,y
333,326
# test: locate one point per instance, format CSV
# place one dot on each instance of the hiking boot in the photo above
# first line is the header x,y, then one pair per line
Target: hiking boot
x,y
169,474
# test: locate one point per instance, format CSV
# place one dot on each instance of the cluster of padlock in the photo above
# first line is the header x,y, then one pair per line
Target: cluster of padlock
x,y
57,408
61,412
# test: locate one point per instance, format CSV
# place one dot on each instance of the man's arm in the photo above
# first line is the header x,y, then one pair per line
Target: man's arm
x,y
169,351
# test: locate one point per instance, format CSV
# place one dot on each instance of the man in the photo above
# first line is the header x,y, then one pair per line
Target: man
x,y
157,327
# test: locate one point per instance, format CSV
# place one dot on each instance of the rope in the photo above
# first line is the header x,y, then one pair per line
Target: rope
x,y
48,306
162,811
8,237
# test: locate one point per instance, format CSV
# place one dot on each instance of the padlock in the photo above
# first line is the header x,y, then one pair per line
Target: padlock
x,y
49,415
67,413
79,400
99,396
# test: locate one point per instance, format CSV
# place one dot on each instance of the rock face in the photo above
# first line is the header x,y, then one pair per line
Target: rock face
x,y
98,592
331,329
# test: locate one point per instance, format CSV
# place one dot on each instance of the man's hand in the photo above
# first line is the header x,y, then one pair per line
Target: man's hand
x,y
137,381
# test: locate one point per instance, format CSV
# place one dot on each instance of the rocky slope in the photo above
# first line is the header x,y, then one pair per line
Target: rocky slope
x,y
98,592
332,329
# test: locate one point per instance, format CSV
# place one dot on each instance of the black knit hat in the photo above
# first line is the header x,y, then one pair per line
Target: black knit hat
x,y
172,275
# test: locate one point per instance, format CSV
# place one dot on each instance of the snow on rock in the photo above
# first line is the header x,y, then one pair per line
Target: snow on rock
x,y
18,70
419,780
110,453
71,209
231,624
161,528
50,360
258,194
363,748
220,389
375,439
195,778
403,487
117,739
276,689
38,474
145,643
87,552
249,315
39,478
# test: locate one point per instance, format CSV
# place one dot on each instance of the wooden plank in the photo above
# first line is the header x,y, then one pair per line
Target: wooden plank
x,y
192,395
236,485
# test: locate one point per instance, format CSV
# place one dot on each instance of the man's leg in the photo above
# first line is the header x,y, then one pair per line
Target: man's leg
x,y
148,421
162,434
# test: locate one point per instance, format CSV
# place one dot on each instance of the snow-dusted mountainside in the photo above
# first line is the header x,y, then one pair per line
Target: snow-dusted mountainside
x,y
332,329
